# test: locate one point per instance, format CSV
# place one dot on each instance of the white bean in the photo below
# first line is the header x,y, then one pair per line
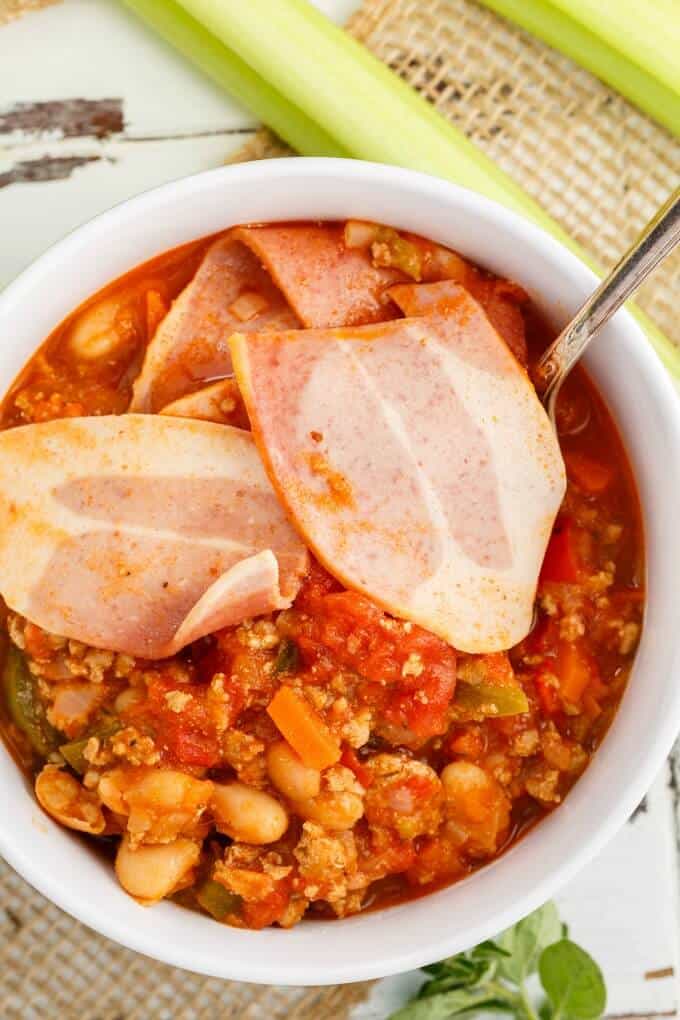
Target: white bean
x,y
289,774
475,806
151,872
169,790
336,810
112,788
67,800
248,815
95,333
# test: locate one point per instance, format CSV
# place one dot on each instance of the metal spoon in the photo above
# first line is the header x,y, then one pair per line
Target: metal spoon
x,y
657,240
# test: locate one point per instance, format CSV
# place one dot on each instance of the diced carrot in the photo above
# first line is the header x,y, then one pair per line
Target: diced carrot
x,y
562,563
156,310
304,730
574,671
590,475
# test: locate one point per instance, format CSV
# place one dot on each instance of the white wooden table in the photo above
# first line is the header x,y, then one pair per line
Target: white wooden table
x,y
163,120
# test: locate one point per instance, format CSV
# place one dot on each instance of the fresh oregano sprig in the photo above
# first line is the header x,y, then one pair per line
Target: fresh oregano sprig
x,y
495,977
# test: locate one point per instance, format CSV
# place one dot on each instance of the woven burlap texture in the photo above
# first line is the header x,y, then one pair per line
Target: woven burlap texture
x,y
589,158
53,968
601,169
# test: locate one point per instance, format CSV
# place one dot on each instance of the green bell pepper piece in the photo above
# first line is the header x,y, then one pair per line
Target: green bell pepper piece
x,y
25,706
217,900
73,751
498,699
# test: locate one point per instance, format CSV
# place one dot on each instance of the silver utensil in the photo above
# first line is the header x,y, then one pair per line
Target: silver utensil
x,y
657,240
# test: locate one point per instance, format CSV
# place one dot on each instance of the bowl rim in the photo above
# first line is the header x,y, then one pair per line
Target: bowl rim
x,y
255,966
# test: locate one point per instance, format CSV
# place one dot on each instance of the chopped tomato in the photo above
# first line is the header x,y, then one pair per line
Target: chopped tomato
x,y
543,637
468,743
563,563
316,584
382,852
423,711
437,858
190,747
412,671
350,760
260,913
247,672
38,644
186,727
548,696
590,475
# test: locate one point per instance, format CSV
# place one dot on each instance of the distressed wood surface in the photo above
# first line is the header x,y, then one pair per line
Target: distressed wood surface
x,y
93,109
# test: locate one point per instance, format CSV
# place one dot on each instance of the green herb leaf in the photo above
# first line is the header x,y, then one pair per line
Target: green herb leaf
x,y
488,950
459,967
288,658
572,981
527,940
451,1004
463,973
492,976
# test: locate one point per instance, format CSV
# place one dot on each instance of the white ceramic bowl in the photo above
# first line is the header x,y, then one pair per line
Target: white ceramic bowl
x,y
648,413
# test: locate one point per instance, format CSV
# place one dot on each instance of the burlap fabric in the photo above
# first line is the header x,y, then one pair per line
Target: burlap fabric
x,y
601,169
589,158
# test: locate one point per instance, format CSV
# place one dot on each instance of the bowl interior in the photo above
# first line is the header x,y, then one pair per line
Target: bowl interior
x,y
646,409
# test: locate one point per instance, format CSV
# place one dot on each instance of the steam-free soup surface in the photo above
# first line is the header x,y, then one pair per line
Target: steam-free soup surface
x,y
330,756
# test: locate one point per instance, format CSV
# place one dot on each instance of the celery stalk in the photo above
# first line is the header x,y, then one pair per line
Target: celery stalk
x,y
546,21
226,69
329,78
645,31
334,80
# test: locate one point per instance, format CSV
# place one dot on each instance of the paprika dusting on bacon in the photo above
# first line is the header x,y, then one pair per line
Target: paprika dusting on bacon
x,y
437,478
267,735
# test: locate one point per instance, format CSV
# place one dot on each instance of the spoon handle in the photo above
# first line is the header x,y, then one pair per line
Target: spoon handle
x,y
656,241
